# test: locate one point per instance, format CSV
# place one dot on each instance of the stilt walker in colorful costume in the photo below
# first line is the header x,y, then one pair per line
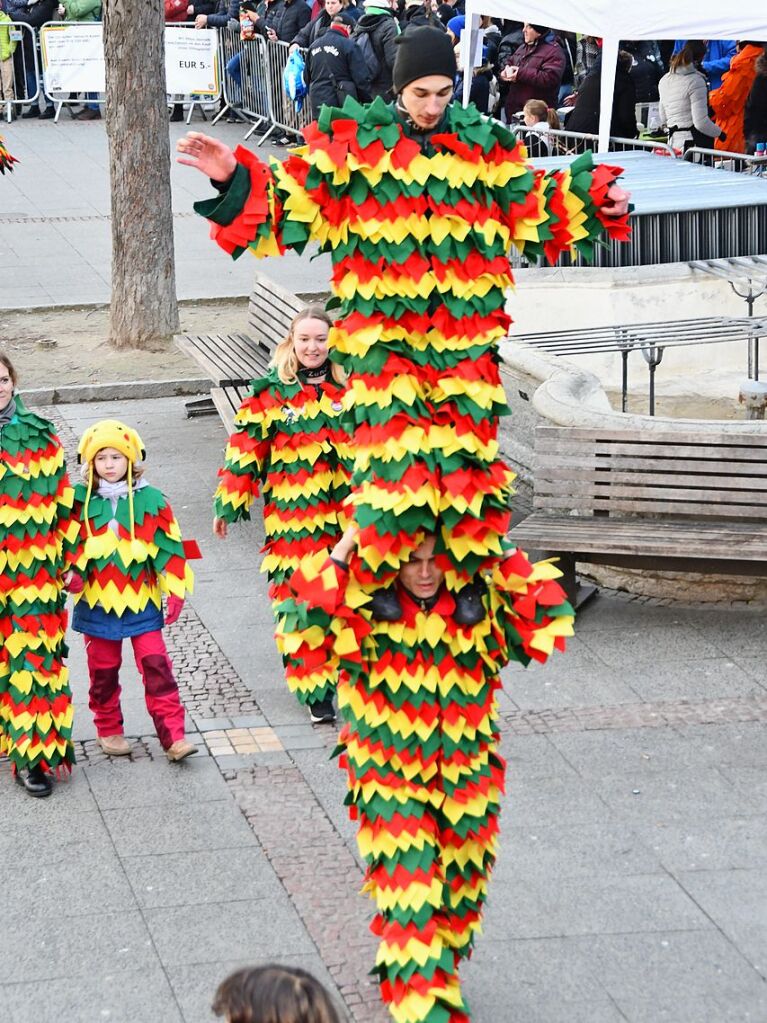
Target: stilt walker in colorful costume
x,y
128,553
289,441
35,526
418,204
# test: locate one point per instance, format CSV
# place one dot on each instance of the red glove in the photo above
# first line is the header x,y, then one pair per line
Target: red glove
x,y
74,582
175,605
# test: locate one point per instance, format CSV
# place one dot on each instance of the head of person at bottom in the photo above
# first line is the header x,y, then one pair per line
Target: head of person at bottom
x,y
274,994
303,354
109,452
421,575
424,75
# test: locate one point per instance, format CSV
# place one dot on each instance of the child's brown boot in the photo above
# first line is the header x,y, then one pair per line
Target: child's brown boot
x,y
114,745
180,750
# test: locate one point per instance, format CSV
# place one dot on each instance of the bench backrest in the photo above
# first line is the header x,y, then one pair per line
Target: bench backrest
x,y
626,473
271,310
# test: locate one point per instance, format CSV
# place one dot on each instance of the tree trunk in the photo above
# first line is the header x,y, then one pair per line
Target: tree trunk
x,y
143,307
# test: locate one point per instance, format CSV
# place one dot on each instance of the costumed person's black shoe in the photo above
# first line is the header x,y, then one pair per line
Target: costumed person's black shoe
x,y
469,609
35,781
321,712
384,605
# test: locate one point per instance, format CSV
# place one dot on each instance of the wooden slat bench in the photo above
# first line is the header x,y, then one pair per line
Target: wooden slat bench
x,y
233,360
676,501
227,401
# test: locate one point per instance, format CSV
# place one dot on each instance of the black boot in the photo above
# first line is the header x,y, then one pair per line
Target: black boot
x,y
322,711
36,781
385,606
469,609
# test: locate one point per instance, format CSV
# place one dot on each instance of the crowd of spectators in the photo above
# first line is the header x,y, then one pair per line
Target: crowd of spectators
x,y
705,93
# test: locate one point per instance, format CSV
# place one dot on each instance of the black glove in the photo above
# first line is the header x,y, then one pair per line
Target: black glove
x,y
722,136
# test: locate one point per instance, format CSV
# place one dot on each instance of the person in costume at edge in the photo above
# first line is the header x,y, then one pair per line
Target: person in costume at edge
x,y
127,553
290,441
7,159
35,524
417,689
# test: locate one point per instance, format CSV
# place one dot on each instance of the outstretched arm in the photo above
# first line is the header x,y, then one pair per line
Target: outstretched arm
x,y
571,208
262,208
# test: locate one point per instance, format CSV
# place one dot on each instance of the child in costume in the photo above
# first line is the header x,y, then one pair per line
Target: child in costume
x,y
418,203
289,441
128,553
274,994
36,525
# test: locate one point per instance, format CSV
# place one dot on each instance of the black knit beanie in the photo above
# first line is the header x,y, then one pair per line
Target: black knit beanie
x,y
423,51
542,30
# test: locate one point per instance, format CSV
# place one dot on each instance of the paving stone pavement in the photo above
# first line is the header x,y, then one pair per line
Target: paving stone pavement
x,y
631,881
55,227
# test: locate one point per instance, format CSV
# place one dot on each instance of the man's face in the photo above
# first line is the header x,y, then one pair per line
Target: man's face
x,y
425,100
333,7
420,575
530,35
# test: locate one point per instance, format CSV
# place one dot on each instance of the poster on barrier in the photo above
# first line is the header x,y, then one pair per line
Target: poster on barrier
x,y
191,68
73,57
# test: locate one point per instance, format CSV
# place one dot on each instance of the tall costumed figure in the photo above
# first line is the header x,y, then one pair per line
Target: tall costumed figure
x,y
418,203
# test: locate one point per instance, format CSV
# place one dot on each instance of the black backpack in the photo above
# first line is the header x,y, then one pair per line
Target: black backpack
x,y
364,41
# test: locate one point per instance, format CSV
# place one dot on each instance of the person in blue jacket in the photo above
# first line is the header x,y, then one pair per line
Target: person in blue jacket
x,y
719,53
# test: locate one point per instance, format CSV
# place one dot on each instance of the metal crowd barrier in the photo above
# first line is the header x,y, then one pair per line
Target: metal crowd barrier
x,y
573,142
61,98
282,111
20,82
243,58
719,159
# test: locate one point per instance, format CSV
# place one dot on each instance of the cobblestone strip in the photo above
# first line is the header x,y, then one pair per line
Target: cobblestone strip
x,y
638,715
320,875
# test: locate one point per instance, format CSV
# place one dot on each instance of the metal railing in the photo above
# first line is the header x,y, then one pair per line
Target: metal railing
x,y
720,159
20,83
572,143
282,109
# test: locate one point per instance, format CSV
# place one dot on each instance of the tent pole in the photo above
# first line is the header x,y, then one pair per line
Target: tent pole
x,y
468,45
609,65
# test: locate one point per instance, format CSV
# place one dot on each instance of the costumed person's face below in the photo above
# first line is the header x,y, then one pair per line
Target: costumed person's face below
x,y
6,386
310,341
425,100
420,575
110,465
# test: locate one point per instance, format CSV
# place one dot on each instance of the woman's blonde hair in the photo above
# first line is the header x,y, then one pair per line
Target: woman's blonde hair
x,y
285,359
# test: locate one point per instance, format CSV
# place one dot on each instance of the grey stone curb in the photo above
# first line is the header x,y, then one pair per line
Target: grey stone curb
x,y
77,393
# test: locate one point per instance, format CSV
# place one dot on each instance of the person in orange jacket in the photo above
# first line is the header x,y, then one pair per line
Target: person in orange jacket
x,y
729,101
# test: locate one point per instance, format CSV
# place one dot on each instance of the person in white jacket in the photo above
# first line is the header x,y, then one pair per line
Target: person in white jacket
x,y
684,100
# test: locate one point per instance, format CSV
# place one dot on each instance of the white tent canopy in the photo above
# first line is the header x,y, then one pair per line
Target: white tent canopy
x,y
613,20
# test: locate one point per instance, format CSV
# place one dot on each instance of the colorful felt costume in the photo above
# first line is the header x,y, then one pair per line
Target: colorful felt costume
x,y
7,160
129,553
419,230
290,442
35,525
419,746
419,243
